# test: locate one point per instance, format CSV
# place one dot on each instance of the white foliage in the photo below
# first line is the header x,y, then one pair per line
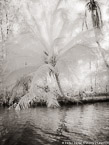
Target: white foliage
x,y
52,100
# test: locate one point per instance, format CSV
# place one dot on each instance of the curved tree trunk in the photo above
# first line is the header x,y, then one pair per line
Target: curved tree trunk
x,y
71,99
59,85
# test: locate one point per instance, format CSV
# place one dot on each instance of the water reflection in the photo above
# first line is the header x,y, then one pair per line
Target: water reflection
x,y
44,126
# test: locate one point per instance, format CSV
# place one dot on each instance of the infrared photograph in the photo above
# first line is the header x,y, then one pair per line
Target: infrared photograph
x,y
54,72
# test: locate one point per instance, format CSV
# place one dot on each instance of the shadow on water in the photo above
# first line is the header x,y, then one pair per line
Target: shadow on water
x,y
42,126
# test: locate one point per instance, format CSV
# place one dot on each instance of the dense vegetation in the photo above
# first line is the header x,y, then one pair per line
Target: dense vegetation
x,y
58,30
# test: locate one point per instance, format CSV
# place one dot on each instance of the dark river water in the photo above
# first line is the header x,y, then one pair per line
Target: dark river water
x,y
85,124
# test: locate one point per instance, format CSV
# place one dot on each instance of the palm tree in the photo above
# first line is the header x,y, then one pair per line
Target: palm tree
x,y
52,27
96,16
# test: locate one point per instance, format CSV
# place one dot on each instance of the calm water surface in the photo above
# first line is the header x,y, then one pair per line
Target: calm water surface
x,y
42,126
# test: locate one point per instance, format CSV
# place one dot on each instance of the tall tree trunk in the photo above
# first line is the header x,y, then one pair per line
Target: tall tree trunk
x,y
102,54
96,27
97,24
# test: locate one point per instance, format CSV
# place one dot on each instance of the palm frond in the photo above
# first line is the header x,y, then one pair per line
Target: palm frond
x,y
57,5
20,89
29,99
78,39
35,27
52,101
24,103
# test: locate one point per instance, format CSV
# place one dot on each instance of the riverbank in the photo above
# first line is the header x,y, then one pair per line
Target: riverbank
x,y
76,100
86,100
